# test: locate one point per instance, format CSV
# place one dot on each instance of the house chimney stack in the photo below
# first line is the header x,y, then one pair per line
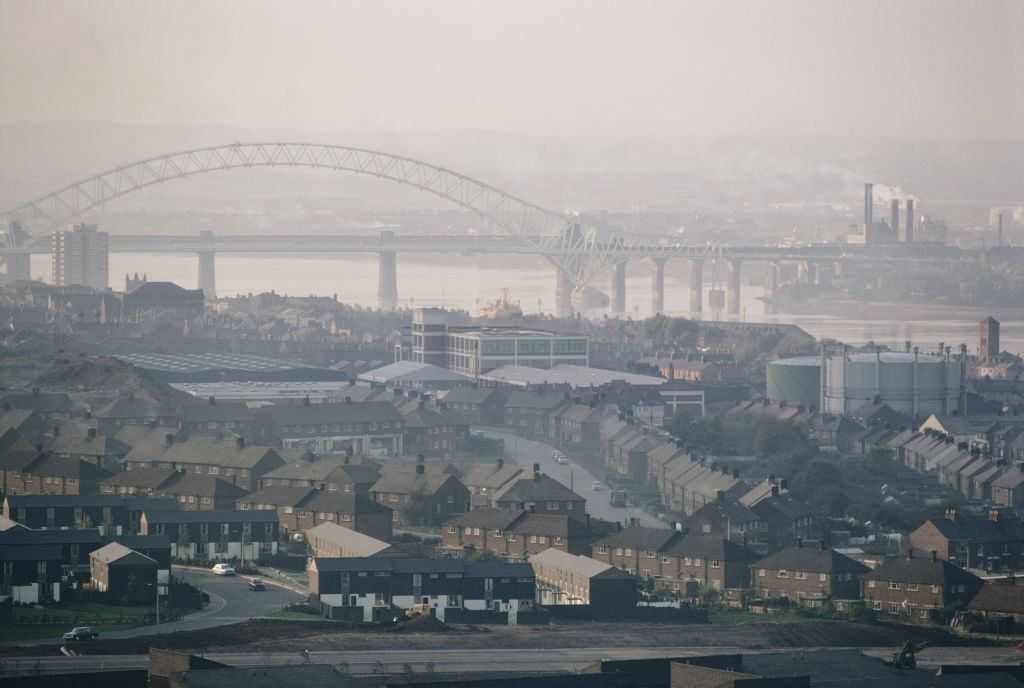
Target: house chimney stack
x,y
536,471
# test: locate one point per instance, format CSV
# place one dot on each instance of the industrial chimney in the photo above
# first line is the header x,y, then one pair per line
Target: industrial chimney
x,y
908,231
869,204
894,219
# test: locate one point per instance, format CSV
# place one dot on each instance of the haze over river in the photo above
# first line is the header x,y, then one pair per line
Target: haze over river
x,y
470,282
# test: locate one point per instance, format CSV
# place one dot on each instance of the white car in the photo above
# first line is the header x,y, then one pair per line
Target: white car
x,y
596,485
561,459
222,570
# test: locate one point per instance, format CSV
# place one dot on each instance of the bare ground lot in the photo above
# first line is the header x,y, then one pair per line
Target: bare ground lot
x,y
264,635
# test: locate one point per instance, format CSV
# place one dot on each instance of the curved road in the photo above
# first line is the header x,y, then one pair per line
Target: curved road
x,y
230,601
528,452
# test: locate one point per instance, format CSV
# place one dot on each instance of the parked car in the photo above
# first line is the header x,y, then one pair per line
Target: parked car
x,y
596,485
80,633
562,459
257,584
222,570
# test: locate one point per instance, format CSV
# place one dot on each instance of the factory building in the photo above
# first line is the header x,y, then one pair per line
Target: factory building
x,y
474,351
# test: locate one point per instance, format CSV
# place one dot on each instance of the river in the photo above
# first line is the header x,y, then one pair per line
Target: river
x,y
467,283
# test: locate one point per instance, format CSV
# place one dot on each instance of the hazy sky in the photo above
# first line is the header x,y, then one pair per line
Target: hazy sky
x,y
920,68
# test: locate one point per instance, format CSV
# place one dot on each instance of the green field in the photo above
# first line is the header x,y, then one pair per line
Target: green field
x,y
52,622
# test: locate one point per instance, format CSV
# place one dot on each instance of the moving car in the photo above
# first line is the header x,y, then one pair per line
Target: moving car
x,y
222,570
80,633
596,485
257,584
562,459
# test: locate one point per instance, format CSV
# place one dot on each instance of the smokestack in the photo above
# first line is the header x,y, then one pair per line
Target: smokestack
x,y
999,234
908,231
894,219
869,205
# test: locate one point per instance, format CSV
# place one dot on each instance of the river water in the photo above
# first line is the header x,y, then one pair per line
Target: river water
x,y
468,283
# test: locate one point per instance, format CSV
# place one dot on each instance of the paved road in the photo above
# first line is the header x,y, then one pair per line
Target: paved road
x,y
528,452
494,660
230,601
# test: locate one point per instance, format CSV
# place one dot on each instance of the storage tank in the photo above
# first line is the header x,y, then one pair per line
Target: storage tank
x,y
908,382
794,380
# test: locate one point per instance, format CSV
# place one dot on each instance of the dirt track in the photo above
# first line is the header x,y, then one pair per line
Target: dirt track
x,y
277,636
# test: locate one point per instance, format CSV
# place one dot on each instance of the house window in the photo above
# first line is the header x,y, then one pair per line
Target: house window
x,y
552,506
511,537
618,551
894,585
629,551
207,500
894,608
664,560
214,470
912,587
332,487
603,549
650,554
822,577
936,589
715,563
289,509
782,573
760,573
800,575
346,517
871,583
454,530
876,605
558,541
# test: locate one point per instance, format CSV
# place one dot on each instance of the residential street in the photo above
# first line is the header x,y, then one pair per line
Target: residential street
x,y
230,601
528,452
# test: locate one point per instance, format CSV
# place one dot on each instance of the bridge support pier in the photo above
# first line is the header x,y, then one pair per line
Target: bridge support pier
x,y
732,286
207,269
696,285
619,287
658,286
19,266
387,281
563,294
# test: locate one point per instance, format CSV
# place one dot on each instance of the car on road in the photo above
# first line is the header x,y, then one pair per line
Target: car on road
x,y
562,459
596,485
222,570
80,633
257,584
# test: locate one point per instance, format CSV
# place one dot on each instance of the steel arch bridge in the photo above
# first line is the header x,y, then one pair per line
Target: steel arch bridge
x,y
578,253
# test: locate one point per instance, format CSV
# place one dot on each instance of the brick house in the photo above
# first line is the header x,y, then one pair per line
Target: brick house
x,y
706,561
574,579
131,411
915,589
99,450
194,491
635,550
478,405
515,535
334,474
541,494
995,543
727,517
82,511
576,425
418,497
808,574
214,417
53,475
529,411
232,459
434,433
302,508
51,407
370,428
